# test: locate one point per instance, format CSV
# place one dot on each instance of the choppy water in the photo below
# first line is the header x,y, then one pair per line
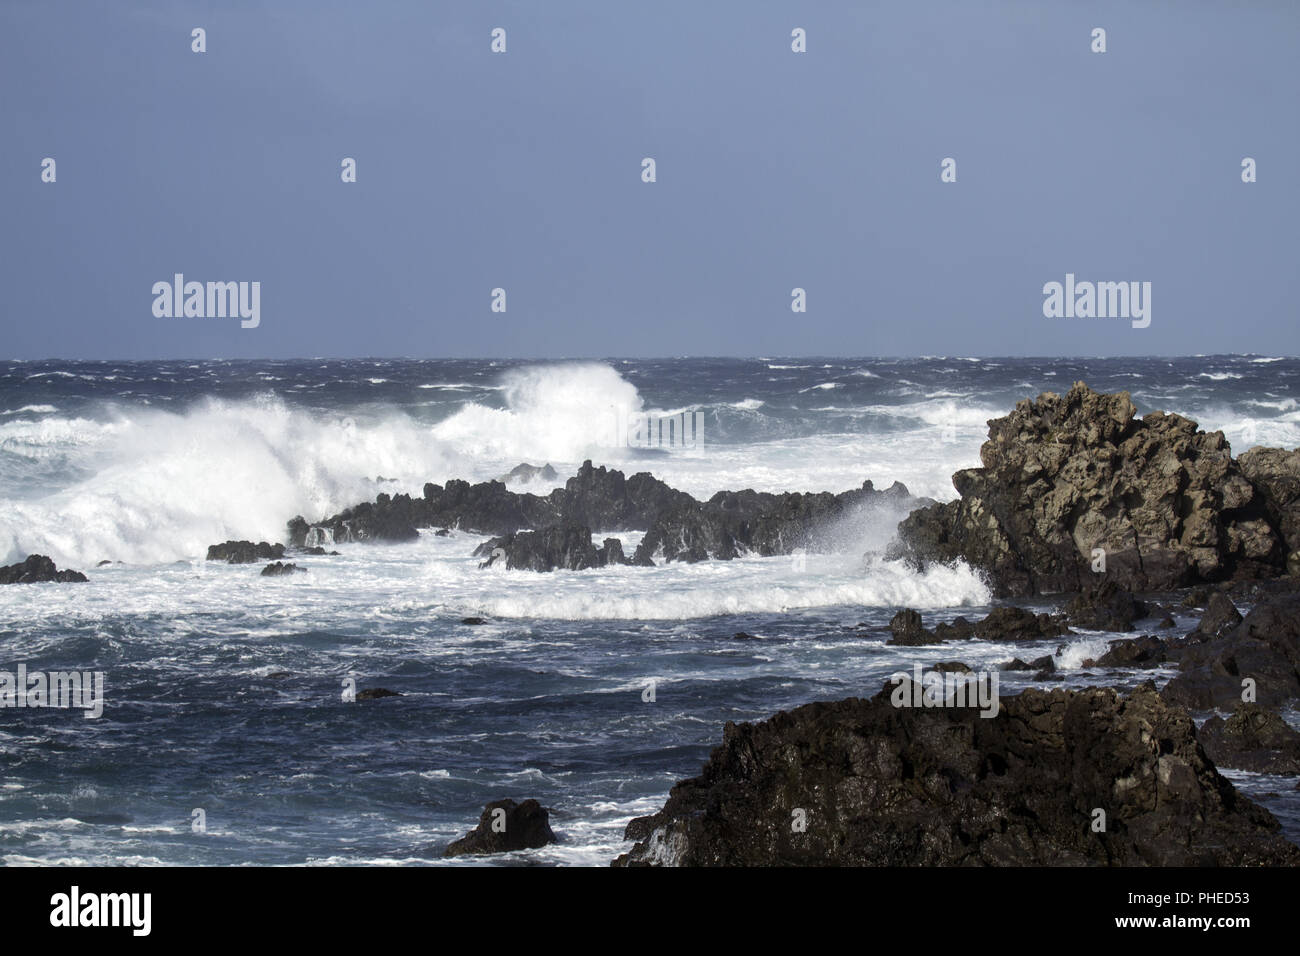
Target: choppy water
x,y
148,463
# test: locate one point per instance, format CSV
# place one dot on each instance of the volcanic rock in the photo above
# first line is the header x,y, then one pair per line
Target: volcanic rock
x,y
1105,608
1261,653
1066,474
506,826
1145,651
245,552
38,569
862,782
1254,739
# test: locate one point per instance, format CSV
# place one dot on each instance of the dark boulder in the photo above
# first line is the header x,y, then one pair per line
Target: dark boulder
x,y
506,826
566,547
245,552
279,569
1018,624
377,693
1262,652
1252,739
38,569
959,629
1105,608
1145,651
865,783
611,553
1044,665
907,630
1001,624
1220,616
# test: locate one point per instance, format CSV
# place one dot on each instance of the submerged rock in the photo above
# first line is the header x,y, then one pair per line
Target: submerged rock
x,y
38,569
862,782
506,826
280,569
377,693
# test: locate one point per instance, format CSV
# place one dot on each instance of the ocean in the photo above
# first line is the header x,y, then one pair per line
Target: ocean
x,y
592,691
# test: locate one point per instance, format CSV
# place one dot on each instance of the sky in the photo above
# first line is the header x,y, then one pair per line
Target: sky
x,y
523,171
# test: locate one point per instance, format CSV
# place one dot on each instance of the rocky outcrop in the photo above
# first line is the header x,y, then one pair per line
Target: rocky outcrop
x,y
1002,624
1064,475
506,826
678,528
1275,473
565,547
595,497
245,552
732,523
279,569
1253,739
1260,655
38,569
862,782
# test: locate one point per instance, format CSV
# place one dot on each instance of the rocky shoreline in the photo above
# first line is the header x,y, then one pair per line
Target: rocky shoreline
x,y
1059,778
1115,522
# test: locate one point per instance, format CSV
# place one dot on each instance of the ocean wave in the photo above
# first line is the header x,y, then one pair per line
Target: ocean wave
x,y
165,485
888,584
565,411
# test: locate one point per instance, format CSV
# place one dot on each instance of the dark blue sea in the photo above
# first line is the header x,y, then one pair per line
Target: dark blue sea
x,y
592,691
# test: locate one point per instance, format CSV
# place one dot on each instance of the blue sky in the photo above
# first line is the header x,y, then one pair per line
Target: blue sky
x,y
522,170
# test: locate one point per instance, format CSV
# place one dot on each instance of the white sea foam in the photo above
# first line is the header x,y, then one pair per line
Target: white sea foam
x,y
165,485
564,411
